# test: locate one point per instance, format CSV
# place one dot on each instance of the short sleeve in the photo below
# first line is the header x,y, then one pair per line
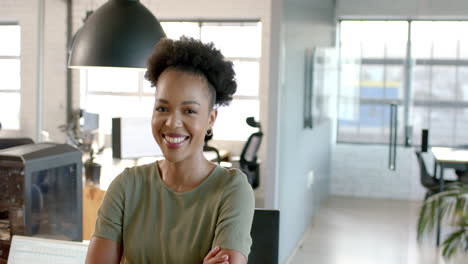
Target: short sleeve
x,y
110,215
235,216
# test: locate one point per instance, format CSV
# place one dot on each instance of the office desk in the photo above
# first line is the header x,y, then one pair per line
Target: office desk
x,y
452,158
93,194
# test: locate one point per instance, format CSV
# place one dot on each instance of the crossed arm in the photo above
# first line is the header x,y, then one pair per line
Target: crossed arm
x,y
107,251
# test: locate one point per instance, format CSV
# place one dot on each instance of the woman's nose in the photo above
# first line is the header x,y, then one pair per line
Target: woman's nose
x,y
173,121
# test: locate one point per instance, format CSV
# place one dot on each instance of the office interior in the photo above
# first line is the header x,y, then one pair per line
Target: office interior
x,y
315,160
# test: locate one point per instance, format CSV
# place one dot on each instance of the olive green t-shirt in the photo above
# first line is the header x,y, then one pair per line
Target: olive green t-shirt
x,y
157,225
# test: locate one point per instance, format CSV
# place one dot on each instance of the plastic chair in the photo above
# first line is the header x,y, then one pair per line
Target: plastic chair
x,y
431,184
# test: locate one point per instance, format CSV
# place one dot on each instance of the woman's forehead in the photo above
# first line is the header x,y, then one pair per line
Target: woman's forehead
x,y
181,86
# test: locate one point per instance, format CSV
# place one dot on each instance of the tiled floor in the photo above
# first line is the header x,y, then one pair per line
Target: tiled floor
x,y
367,231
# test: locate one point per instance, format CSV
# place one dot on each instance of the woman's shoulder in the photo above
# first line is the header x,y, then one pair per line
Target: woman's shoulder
x,y
144,170
140,174
232,179
231,175
235,189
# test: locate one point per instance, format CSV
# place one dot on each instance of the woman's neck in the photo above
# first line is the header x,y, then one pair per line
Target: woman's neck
x,y
185,175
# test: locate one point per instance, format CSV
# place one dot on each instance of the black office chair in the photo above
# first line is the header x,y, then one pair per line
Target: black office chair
x,y
431,184
248,158
13,142
265,237
210,148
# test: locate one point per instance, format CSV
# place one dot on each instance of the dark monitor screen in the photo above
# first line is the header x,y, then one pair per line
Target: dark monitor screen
x,y
265,237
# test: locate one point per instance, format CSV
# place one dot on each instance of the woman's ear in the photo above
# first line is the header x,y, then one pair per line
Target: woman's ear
x,y
212,117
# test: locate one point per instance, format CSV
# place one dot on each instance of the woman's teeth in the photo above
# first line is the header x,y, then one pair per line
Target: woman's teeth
x,y
175,139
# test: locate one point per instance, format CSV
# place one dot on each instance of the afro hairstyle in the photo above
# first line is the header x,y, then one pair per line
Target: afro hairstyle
x,y
193,56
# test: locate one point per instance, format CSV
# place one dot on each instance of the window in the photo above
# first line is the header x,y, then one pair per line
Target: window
x,y
10,78
374,65
108,91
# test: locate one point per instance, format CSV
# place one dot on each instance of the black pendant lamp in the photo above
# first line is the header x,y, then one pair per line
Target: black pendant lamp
x,y
120,33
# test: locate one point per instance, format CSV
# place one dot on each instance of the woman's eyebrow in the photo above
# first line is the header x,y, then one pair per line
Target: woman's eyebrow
x,y
164,101
190,102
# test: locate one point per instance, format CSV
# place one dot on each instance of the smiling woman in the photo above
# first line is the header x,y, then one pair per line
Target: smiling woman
x,y
183,209
182,114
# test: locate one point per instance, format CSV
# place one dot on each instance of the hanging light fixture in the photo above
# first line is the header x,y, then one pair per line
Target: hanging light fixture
x,y
121,33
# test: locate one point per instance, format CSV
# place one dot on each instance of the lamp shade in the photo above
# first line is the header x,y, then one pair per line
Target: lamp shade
x,y
120,33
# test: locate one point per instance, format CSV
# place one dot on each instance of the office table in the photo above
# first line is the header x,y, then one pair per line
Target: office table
x,y
444,158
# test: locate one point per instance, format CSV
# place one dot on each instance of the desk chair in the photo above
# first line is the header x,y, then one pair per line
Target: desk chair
x,y
247,162
210,148
215,150
265,237
431,184
13,142
248,159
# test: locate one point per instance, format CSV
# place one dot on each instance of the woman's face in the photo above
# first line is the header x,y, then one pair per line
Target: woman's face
x,y
181,114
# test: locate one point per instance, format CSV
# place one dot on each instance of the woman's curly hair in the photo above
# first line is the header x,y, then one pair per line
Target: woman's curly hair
x,y
190,55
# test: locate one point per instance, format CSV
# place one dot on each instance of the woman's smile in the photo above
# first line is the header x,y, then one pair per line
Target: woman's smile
x,y
174,141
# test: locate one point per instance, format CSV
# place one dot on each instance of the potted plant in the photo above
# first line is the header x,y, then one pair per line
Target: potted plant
x,y
85,141
92,168
452,204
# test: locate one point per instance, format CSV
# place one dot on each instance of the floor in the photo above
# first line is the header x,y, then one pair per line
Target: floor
x,y
367,231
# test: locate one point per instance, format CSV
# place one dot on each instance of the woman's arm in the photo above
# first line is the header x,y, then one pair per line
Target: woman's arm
x,y
103,251
234,256
235,219
224,256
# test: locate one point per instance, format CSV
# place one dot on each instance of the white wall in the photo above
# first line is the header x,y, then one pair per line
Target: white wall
x,y
414,9
304,24
362,171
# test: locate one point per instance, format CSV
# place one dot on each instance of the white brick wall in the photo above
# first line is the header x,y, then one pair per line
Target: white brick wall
x,y
55,68
362,170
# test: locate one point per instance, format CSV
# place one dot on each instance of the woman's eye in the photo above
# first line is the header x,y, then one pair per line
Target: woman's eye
x,y
191,111
160,109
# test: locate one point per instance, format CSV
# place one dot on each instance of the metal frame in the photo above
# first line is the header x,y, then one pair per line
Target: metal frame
x,y
408,63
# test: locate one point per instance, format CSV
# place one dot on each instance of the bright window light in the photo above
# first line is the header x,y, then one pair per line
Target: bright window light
x,y
9,110
10,76
11,40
